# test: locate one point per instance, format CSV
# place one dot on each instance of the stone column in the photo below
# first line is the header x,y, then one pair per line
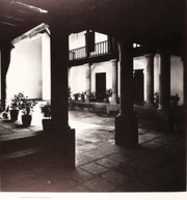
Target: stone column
x,y
5,61
114,98
126,123
150,79
164,95
89,81
63,136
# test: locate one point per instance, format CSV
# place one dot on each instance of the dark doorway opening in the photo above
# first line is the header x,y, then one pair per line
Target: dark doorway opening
x,y
138,86
100,86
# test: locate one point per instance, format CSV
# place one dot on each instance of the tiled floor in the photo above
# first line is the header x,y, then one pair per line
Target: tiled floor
x,y
158,164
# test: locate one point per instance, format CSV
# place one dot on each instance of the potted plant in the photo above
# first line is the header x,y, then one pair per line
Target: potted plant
x,y
14,107
108,95
26,106
76,96
5,114
92,96
26,111
46,121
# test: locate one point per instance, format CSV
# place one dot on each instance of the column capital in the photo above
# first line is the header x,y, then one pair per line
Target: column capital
x,y
164,52
58,30
150,55
114,60
126,44
60,26
7,45
126,54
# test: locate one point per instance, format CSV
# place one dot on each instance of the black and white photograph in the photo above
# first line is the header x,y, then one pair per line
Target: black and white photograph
x,y
93,97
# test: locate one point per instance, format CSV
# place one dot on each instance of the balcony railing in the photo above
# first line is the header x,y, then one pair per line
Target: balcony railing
x,y
77,54
101,48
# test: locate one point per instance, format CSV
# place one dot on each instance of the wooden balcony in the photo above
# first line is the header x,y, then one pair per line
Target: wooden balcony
x,y
102,52
77,54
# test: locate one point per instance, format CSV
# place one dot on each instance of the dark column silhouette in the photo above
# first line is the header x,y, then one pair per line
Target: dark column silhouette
x,y
64,137
150,79
5,61
164,97
126,123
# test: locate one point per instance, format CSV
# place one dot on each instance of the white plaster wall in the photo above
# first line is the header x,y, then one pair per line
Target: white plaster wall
x,y
102,67
141,63
78,79
138,63
78,76
177,78
46,67
79,73
25,71
77,40
176,75
99,37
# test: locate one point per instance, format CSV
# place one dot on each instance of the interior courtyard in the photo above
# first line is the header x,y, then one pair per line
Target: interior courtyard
x,y
94,105
101,166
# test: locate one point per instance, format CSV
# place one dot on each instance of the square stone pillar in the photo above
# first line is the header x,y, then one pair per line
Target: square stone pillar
x,y
63,137
167,113
126,123
5,61
89,82
164,95
114,98
150,79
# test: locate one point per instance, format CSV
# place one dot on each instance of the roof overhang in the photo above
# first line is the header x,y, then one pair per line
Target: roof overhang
x,y
144,21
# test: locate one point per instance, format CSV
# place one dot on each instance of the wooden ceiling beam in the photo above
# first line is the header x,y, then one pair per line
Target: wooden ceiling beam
x,y
130,19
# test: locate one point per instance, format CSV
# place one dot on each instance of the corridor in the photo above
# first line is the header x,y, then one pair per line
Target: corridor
x,y
158,164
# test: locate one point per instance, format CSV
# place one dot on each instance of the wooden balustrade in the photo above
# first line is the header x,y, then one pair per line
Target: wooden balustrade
x,y
101,48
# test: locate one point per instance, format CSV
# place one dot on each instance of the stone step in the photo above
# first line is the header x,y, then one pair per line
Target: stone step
x,y
19,144
21,153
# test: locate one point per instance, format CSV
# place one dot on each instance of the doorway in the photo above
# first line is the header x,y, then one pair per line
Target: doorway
x,y
138,86
100,86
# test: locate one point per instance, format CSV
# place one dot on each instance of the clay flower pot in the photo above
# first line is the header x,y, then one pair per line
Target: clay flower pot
x,y
14,115
26,120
